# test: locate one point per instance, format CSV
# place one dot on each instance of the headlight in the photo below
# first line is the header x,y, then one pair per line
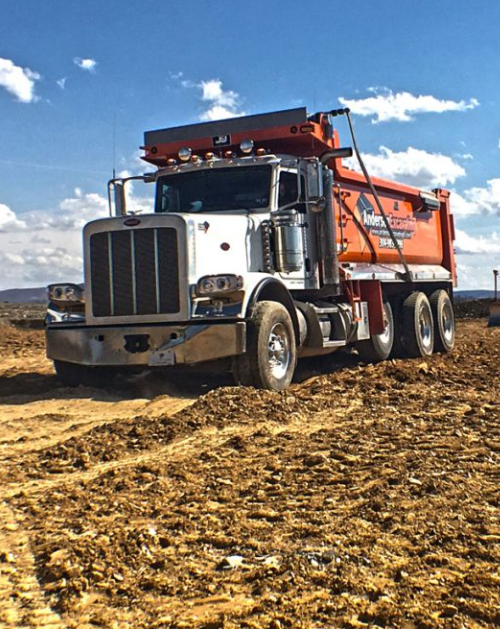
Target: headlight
x,y
217,284
66,293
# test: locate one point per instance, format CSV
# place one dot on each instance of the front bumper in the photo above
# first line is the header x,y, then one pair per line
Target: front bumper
x,y
152,345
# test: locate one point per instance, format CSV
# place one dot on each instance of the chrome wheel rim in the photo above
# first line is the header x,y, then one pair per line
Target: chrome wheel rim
x,y
425,326
447,322
278,351
385,336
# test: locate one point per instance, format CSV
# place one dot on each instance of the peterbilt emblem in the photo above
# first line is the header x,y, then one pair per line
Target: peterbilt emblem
x,y
132,222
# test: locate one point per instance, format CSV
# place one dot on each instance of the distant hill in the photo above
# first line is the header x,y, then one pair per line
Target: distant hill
x,y
473,294
24,295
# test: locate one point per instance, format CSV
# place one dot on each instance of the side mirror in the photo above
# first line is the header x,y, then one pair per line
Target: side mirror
x,y
318,204
335,154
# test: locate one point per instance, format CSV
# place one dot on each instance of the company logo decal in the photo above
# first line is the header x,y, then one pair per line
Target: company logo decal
x,y
221,140
404,227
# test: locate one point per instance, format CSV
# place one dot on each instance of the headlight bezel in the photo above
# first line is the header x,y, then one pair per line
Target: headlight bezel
x,y
216,285
66,293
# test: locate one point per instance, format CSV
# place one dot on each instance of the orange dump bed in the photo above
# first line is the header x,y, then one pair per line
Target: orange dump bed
x,y
420,222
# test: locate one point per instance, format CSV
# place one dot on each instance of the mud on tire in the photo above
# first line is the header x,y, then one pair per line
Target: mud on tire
x,y
271,356
378,347
417,326
444,321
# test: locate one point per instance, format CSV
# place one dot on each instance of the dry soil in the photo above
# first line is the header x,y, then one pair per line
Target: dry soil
x,y
365,496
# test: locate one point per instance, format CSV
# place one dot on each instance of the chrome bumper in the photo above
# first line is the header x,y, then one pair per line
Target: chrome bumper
x,y
153,346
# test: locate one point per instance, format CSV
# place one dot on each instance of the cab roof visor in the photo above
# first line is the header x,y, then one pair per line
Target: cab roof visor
x,y
228,126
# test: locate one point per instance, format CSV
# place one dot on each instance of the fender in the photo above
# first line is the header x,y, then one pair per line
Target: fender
x,y
272,290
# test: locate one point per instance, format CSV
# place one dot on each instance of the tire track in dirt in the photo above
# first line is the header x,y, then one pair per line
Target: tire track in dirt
x,y
23,602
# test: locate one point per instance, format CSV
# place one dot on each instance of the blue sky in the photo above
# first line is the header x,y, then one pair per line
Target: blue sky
x,y
422,79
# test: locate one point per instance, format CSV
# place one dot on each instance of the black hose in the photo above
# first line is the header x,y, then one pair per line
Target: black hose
x,y
407,275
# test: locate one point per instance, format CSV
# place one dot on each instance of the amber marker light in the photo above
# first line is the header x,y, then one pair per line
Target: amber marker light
x,y
246,146
171,161
260,152
184,153
228,154
195,158
209,156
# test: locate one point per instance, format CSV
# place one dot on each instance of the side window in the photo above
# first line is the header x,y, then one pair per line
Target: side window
x,y
288,190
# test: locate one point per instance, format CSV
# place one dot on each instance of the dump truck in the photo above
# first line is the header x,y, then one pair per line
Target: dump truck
x,y
263,247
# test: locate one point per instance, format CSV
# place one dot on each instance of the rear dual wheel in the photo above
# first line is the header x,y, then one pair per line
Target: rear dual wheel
x,y
417,326
378,347
444,321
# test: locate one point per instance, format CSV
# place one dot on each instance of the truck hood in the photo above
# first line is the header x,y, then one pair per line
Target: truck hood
x,y
224,243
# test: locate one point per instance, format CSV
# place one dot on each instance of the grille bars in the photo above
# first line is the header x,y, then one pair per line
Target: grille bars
x,y
134,272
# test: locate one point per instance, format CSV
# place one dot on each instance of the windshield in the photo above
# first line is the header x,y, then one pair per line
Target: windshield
x,y
215,190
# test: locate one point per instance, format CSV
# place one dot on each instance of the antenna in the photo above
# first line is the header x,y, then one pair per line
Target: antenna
x,y
114,145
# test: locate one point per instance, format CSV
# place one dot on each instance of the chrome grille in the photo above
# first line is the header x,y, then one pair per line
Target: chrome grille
x,y
134,272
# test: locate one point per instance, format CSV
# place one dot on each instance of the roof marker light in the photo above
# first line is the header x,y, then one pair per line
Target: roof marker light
x,y
195,158
246,146
184,153
228,154
260,152
171,161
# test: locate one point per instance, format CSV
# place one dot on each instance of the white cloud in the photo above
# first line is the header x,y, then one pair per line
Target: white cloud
x,y
62,82
40,266
85,64
9,221
18,81
460,206
224,103
48,244
487,200
477,256
466,244
402,106
414,167
478,200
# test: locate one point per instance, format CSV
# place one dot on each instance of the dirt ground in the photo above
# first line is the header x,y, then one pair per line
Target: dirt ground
x,y
365,496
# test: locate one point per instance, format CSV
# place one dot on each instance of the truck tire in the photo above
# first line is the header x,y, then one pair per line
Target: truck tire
x,y
73,375
444,321
378,347
398,350
271,356
417,326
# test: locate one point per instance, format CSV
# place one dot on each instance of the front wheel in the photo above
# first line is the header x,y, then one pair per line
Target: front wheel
x,y
271,356
73,375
